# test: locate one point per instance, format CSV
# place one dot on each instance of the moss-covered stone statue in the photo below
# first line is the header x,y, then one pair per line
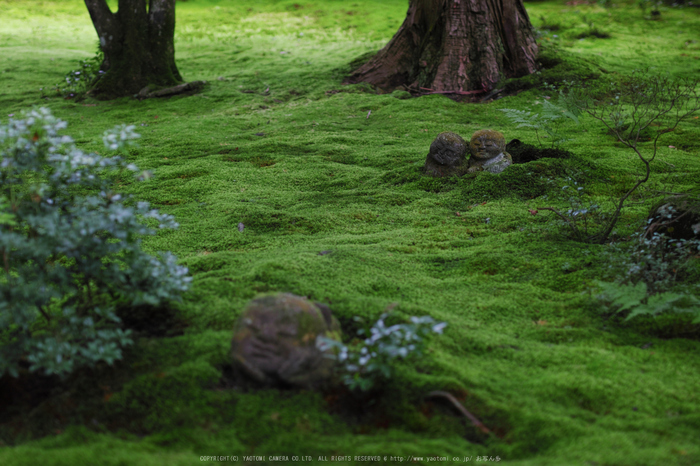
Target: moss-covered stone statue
x,y
488,152
274,342
447,156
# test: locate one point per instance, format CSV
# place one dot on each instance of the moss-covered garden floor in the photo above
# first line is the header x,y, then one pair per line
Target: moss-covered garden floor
x,y
276,143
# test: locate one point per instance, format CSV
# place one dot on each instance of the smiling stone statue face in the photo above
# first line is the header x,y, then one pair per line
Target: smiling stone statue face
x,y
274,341
487,148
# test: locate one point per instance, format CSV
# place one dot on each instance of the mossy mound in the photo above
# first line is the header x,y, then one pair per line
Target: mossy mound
x,y
524,181
556,66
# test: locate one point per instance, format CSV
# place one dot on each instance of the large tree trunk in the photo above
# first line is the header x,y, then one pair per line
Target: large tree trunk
x,y
138,46
454,46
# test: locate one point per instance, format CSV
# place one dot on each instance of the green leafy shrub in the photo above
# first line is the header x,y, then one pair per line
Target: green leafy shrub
x,y
73,250
635,300
364,364
77,82
525,181
629,111
547,120
649,274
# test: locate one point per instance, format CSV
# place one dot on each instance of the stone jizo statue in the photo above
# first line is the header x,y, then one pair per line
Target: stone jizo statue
x,y
274,341
488,152
447,156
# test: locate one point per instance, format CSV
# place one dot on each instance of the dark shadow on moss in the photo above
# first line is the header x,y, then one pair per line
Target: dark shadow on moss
x,y
523,153
151,321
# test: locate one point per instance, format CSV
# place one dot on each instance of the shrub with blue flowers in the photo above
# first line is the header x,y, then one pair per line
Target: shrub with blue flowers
x,y
70,249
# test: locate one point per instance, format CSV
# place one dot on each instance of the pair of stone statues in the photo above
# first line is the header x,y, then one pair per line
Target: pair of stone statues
x,y
447,156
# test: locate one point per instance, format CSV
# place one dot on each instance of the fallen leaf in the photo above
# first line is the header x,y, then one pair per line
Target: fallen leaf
x,y
532,211
458,214
541,322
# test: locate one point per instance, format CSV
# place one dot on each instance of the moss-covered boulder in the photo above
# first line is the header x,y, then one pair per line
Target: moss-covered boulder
x,y
447,156
274,342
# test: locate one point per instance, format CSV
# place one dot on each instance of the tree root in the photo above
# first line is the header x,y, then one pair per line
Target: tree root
x,y
147,92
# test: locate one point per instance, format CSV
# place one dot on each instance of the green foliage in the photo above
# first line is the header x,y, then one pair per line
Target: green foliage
x,y
547,120
649,274
73,249
365,364
635,301
7,218
657,260
629,110
77,82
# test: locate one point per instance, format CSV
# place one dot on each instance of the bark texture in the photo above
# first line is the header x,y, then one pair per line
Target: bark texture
x,y
454,47
138,45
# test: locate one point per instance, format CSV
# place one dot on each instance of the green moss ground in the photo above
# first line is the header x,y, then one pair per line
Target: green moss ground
x,y
526,348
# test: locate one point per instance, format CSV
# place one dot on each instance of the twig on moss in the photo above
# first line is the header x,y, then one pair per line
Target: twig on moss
x,y
449,397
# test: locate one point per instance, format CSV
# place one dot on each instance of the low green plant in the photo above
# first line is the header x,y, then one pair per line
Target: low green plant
x,y
70,248
651,273
364,364
547,120
630,111
635,300
583,214
77,82
593,30
6,217
656,260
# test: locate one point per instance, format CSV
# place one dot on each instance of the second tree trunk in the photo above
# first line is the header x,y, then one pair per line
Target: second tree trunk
x,y
455,46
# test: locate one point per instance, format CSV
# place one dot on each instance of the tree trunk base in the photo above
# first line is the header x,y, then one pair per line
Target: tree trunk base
x,y
454,47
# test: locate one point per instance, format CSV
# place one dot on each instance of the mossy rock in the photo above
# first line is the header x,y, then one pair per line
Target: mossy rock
x,y
274,342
